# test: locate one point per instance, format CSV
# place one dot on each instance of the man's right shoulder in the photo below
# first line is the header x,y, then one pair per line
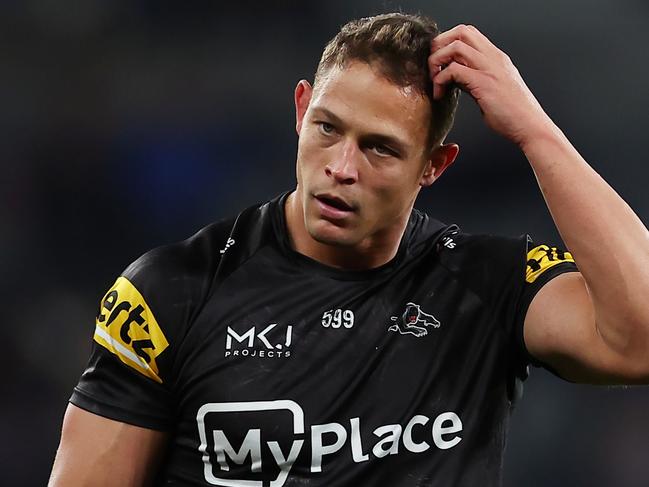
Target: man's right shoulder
x,y
187,265
150,308
151,304
182,274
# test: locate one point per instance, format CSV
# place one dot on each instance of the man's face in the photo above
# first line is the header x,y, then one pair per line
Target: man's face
x,y
362,155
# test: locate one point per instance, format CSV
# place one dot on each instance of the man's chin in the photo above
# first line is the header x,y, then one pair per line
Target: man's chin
x,y
327,233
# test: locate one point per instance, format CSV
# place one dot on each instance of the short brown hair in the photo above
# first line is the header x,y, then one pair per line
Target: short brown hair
x,y
398,45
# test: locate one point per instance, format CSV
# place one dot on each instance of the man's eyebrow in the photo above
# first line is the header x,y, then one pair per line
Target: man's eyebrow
x,y
329,114
377,138
387,140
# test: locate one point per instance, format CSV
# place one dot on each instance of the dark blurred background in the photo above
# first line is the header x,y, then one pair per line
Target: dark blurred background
x,y
128,124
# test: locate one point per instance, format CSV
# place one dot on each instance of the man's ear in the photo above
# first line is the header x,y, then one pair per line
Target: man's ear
x,y
439,159
303,92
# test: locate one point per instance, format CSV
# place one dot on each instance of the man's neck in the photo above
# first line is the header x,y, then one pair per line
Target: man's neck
x,y
370,253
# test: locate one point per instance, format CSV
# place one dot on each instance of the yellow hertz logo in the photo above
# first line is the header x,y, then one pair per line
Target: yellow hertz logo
x,y
542,258
126,327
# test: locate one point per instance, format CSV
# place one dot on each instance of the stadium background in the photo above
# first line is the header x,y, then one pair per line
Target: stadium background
x,y
128,124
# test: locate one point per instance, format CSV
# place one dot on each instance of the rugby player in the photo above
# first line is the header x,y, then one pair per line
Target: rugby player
x,y
335,336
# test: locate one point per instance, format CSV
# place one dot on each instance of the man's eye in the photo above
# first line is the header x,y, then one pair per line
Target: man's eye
x,y
326,128
382,150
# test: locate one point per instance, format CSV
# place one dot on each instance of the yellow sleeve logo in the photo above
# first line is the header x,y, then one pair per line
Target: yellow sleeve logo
x,y
126,327
542,258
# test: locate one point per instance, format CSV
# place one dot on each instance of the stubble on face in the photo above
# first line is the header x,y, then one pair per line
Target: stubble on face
x,y
381,189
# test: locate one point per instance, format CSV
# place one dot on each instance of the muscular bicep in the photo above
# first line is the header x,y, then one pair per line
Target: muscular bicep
x,y
560,331
101,452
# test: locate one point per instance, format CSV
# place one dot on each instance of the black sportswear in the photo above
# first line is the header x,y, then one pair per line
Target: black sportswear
x,y
269,368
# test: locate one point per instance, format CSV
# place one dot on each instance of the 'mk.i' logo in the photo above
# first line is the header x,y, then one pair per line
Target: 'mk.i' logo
x,y
272,341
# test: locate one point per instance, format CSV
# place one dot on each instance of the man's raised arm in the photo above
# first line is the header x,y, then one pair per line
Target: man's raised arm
x,y
591,326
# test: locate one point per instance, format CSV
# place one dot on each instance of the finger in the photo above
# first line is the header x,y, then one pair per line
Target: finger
x,y
483,39
465,33
459,52
456,73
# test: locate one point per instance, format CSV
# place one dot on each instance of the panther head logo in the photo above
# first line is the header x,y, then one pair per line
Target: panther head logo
x,y
413,321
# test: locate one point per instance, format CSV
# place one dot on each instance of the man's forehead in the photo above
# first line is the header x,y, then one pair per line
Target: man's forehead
x,y
360,92
362,74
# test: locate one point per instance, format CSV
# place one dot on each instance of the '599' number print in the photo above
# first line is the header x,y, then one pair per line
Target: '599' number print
x,y
335,318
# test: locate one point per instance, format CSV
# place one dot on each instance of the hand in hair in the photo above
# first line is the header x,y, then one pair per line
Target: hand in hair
x,y
466,57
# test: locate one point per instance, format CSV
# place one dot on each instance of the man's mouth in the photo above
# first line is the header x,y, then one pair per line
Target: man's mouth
x,y
333,206
335,202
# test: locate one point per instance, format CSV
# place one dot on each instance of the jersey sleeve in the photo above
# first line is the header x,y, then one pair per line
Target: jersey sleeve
x,y
128,374
542,264
139,328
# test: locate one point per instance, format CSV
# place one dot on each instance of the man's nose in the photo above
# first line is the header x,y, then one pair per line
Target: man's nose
x,y
344,167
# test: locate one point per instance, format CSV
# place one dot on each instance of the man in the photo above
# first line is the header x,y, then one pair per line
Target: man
x,y
335,336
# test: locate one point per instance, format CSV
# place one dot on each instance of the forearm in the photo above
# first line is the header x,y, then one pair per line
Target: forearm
x,y
607,239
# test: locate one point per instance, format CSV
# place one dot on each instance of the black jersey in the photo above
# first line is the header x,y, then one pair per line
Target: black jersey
x,y
271,369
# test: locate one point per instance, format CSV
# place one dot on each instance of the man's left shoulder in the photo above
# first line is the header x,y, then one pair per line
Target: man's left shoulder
x,y
491,261
487,264
467,252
